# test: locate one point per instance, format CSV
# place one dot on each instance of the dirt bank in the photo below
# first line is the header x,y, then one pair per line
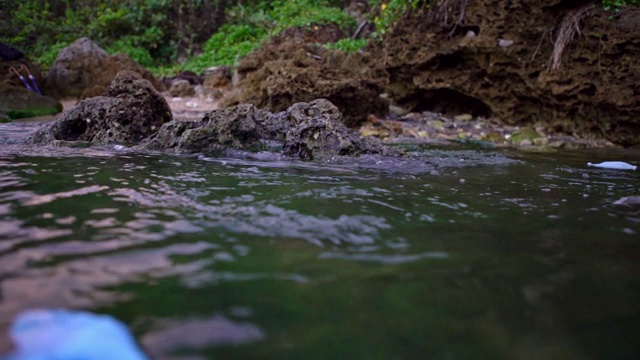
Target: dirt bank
x,y
501,60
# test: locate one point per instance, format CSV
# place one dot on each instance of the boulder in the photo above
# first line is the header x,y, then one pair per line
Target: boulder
x,y
319,133
287,71
131,111
309,131
217,77
21,103
181,88
217,82
84,65
241,127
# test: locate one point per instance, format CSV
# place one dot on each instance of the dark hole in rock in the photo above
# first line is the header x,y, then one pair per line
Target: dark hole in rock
x,y
446,62
74,130
589,91
451,102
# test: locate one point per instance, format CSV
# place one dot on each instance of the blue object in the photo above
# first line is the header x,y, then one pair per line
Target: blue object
x,y
616,165
57,334
35,84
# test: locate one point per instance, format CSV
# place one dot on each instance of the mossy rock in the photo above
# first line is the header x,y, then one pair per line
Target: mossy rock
x,y
18,104
33,112
494,137
524,134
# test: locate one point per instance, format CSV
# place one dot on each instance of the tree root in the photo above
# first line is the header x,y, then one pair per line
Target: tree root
x,y
566,31
441,12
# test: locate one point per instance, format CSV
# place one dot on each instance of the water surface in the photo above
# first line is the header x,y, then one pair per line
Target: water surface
x,y
474,254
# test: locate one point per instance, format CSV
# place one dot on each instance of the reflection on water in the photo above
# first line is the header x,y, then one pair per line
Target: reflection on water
x,y
471,254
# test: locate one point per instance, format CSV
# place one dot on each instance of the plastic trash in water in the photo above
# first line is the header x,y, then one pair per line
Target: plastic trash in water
x,y
616,165
57,334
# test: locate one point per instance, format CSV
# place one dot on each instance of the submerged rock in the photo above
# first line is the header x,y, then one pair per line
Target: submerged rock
x,y
131,111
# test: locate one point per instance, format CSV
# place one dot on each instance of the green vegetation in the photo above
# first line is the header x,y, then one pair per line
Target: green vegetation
x,y
161,33
194,35
348,45
390,11
249,28
617,4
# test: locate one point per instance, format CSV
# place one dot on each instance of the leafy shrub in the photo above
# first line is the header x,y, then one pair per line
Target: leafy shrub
x,y
617,4
390,11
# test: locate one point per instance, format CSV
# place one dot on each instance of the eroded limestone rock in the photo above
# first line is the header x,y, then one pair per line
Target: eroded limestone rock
x,y
318,132
287,71
434,66
310,131
131,111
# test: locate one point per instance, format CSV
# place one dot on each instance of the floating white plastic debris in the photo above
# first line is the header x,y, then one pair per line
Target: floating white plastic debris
x,y
56,334
617,165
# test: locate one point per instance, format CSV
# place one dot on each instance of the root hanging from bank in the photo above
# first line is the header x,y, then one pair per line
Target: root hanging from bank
x,y
441,12
566,31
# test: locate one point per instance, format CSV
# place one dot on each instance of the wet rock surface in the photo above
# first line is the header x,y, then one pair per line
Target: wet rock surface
x,y
309,131
285,72
318,132
84,65
471,57
131,111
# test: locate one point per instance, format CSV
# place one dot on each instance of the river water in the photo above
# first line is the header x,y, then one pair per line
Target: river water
x,y
469,253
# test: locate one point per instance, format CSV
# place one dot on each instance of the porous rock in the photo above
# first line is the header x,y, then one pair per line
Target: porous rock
x,y
240,127
310,131
434,66
181,88
131,111
287,71
318,132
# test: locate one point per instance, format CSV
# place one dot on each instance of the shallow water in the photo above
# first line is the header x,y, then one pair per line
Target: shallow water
x,y
477,254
